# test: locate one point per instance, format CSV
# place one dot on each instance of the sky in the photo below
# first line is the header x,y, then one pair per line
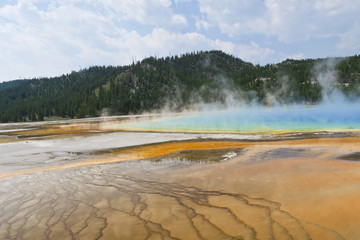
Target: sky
x,y
46,38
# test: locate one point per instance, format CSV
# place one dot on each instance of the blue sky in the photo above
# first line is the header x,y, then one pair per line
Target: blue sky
x,y
48,38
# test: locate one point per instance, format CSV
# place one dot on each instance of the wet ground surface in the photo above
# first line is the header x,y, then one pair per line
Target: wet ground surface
x,y
102,202
351,157
200,156
104,184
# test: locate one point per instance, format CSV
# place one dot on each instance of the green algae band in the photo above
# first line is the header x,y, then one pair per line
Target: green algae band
x,y
330,117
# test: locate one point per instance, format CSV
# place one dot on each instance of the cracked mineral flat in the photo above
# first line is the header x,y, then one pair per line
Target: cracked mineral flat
x,y
87,180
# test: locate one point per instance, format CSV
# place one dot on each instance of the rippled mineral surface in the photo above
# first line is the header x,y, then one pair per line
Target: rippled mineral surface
x,y
86,180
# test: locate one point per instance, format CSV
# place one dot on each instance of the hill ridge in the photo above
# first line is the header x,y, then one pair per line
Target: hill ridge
x,y
175,82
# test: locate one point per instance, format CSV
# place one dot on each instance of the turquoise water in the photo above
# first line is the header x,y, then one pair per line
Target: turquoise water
x,y
331,117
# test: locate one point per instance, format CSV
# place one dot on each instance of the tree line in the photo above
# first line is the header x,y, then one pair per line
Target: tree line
x,y
176,82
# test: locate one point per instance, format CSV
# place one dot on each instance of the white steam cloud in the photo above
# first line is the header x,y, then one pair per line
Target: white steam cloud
x,y
235,114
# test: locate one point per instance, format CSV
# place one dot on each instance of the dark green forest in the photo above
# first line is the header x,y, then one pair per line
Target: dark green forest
x,y
175,82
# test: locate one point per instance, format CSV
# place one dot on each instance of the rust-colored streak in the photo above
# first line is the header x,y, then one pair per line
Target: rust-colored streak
x,y
157,150
136,153
294,189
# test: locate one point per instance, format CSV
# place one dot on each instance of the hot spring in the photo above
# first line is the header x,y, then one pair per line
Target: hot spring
x,y
302,118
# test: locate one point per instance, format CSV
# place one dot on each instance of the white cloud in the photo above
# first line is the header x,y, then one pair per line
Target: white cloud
x,y
350,39
162,42
179,19
42,37
38,43
179,1
147,12
65,36
289,21
202,24
232,17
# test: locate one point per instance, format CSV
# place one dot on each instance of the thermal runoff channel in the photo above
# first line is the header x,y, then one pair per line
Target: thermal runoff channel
x,y
253,119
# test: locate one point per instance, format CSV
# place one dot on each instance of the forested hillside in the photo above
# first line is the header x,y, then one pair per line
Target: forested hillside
x,y
175,82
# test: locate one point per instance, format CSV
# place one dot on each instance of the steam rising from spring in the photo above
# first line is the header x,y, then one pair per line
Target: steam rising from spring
x,y
334,113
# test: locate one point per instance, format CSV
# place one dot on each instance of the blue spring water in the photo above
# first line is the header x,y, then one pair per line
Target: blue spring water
x,y
329,117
